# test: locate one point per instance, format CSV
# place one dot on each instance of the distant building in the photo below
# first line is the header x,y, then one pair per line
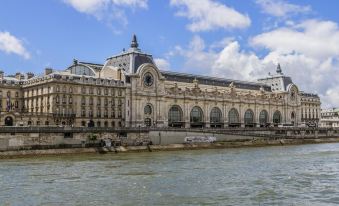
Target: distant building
x,y
330,118
129,90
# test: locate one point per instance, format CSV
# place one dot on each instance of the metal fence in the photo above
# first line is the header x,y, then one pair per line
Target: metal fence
x,y
66,129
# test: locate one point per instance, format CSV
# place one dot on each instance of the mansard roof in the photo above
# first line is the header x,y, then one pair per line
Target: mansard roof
x,y
304,94
214,81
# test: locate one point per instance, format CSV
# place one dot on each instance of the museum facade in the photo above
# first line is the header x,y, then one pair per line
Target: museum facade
x,y
129,90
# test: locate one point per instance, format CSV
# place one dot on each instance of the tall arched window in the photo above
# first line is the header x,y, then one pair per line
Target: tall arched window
x,y
233,116
276,117
175,117
148,109
292,115
249,118
215,117
263,117
196,115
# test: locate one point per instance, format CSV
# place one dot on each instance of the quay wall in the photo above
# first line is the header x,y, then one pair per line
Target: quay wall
x,y
74,140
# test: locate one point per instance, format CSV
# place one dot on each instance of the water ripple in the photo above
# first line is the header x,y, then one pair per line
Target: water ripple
x,y
287,175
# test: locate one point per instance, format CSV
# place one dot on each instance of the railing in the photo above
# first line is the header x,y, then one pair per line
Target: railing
x,y
234,130
64,115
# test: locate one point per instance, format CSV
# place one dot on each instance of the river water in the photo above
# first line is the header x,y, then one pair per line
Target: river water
x,y
287,175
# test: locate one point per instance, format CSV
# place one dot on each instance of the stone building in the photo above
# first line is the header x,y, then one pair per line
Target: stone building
x,y
129,90
330,118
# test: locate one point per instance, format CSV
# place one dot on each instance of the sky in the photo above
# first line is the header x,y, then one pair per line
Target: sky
x,y
234,39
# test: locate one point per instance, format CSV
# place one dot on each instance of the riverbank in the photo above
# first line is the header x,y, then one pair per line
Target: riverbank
x,y
255,142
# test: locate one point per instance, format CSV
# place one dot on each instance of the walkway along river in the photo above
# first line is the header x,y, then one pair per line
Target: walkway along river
x,y
281,175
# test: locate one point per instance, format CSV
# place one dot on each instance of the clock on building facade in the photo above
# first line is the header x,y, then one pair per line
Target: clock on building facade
x,y
148,79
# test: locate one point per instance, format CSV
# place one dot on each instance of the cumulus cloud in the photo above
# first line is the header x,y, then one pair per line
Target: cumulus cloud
x,y
87,6
12,45
206,15
281,8
131,3
306,51
313,38
107,10
162,64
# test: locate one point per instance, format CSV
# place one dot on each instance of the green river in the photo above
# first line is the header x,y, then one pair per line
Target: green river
x,y
281,175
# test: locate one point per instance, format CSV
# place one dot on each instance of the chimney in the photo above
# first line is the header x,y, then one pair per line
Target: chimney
x,y
48,71
119,74
19,76
30,75
1,74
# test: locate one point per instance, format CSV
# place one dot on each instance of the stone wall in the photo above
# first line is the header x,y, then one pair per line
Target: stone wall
x,y
45,138
14,141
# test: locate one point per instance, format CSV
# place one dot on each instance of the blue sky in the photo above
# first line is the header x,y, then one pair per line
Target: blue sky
x,y
229,38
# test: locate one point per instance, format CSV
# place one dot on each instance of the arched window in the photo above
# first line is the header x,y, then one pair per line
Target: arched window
x,y
81,70
216,115
233,116
148,109
276,117
249,118
292,115
175,117
263,117
106,124
196,115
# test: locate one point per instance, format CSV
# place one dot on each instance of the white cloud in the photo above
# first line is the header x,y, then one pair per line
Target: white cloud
x,y
318,39
87,6
208,15
310,55
236,64
107,10
10,44
281,8
306,51
196,56
131,3
162,64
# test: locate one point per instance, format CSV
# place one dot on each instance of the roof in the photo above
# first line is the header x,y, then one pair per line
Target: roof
x,y
308,95
189,78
